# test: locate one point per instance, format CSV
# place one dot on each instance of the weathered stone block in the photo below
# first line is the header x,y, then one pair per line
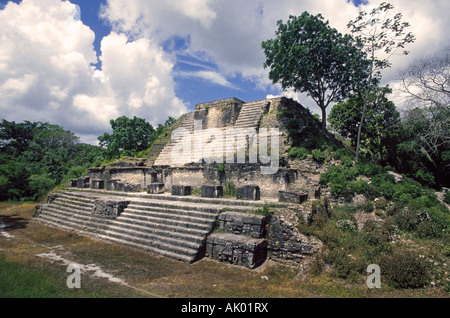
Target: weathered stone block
x,y
72,183
236,249
130,187
97,184
109,208
52,196
248,224
155,188
292,197
113,184
38,209
83,182
181,190
248,192
153,177
212,191
286,243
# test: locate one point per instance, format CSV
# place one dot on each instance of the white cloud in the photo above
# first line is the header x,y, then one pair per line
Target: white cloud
x,y
232,36
210,76
46,71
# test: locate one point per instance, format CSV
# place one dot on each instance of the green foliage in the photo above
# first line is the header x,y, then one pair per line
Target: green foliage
x,y
308,55
35,157
338,179
422,146
405,269
40,185
298,153
129,136
346,225
318,155
265,210
304,131
447,197
229,189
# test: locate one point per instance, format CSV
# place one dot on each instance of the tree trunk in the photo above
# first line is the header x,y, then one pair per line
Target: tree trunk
x,y
369,87
324,119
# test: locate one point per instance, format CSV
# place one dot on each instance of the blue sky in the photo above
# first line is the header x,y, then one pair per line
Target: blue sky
x,y
154,59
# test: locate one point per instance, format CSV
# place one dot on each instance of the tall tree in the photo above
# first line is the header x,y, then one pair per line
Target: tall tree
x,y
380,37
427,82
309,56
382,122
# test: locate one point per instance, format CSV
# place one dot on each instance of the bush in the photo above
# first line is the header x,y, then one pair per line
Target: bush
x,y
347,162
40,185
425,178
447,197
318,155
338,178
405,269
369,169
346,225
344,264
342,153
298,153
406,190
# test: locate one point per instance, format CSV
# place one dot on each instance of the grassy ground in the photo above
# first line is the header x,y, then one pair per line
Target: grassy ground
x,y
135,273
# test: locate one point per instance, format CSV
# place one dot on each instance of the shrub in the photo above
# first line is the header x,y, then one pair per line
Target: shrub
x,y
338,178
298,153
346,225
447,197
341,153
368,169
407,220
425,178
40,185
344,264
406,190
318,155
380,203
405,269
347,162
265,210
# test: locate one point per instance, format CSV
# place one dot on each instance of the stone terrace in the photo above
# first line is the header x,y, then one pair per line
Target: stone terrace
x,y
172,226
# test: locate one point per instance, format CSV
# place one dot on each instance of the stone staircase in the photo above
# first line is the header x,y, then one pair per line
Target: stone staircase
x,y
170,228
250,114
249,118
165,158
165,225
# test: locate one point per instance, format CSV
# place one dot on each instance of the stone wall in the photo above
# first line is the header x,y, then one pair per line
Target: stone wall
x,y
286,243
236,249
247,224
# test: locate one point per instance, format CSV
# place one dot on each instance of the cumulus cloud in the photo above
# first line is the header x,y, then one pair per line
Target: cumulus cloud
x,y
47,72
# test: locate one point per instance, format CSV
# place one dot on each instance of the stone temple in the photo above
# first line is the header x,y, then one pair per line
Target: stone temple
x,y
218,185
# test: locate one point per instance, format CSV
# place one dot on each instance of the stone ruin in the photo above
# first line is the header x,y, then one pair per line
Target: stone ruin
x,y
200,157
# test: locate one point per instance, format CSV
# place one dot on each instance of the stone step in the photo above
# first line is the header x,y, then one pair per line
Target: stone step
x,y
176,243
166,230
93,224
134,217
171,228
184,256
178,214
216,204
